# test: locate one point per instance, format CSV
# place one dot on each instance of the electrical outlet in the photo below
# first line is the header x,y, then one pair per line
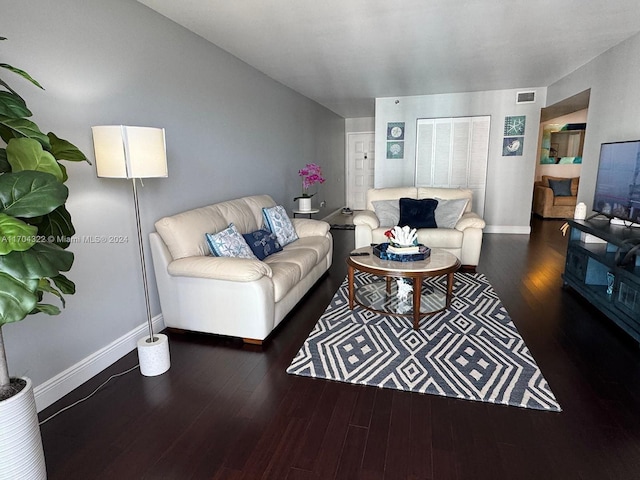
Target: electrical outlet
x,y
323,203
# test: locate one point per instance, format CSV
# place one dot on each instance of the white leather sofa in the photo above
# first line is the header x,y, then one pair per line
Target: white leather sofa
x,y
239,297
464,240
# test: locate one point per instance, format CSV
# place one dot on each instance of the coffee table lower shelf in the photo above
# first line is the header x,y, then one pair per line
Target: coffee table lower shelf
x,y
381,296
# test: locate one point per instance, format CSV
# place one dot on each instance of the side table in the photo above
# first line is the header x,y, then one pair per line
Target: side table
x,y
305,212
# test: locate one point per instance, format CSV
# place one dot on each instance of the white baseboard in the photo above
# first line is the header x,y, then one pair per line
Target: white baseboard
x,y
518,230
57,387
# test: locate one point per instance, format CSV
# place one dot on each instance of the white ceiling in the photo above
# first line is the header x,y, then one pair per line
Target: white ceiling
x,y
345,53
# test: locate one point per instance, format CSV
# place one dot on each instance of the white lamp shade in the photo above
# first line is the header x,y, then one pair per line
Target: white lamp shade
x,y
130,152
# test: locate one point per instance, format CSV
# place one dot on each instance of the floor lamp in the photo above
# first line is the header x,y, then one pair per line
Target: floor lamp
x,y
135,153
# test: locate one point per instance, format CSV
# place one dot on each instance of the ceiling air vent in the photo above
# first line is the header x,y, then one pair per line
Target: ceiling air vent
x,y
526,97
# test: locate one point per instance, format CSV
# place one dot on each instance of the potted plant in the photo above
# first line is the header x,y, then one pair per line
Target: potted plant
x,y
311,174
35,230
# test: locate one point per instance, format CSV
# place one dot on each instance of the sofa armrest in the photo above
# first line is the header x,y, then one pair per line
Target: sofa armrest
x,y
366,217
470,220
306,227
542,200
220,268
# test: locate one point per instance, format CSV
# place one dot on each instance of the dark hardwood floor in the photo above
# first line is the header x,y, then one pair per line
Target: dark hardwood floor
x,y
229,411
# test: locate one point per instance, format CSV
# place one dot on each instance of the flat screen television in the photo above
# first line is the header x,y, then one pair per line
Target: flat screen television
x,y
618,186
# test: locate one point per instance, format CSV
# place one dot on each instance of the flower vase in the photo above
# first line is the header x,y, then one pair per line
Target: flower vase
x,y
304,204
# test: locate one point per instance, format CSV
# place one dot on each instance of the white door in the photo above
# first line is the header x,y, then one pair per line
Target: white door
x,y
361,160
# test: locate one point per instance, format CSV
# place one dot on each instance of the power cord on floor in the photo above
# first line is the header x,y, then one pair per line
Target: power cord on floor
x,y
90,395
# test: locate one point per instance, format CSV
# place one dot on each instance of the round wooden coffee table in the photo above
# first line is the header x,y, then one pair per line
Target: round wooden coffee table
x,y
383,297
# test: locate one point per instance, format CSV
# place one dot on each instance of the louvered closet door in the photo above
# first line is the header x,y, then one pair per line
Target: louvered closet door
x,y
360,168
453,152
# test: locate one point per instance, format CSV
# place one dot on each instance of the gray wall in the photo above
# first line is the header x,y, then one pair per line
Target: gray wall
x,y
231,131
509,187
614,104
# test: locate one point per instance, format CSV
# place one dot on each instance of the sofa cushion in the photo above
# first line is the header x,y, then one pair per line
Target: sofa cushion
x,y
284,277
561,188
278,222
392,193
239,213
565,201
184,233
256,203
320,245
448,212
220,268
418,213
262,243
229,243
447,193
289,266
387,211
440,237
304,258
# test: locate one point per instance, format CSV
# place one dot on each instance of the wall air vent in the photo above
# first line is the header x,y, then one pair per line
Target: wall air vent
x,y
526,97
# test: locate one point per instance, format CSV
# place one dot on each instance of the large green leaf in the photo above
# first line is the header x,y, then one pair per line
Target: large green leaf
x,y
65,285
15,235
41,260
22,73
65,150
13,106
44,285
27,154
30,194
17,298
57,226
6,85
45,308
21,127
4,163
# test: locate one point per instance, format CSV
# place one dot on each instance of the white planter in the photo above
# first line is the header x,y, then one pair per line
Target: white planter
x,y
21,453
304,204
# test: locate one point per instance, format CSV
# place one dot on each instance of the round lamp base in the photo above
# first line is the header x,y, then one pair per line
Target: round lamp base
x,y
154,356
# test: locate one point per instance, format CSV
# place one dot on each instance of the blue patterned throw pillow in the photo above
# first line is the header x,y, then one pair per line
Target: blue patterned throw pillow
x,y
229,243
278,222
262,243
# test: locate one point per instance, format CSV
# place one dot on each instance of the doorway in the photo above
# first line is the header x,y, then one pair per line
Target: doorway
x,y
561,138
361,161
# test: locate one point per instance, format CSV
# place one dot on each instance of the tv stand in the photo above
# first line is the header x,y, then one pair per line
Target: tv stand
x,y
592,271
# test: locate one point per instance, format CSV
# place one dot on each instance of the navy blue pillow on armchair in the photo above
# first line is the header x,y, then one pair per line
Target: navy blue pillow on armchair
x,y
561,188
418,213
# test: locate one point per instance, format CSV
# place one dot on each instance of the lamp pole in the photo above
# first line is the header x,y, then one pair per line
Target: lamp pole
x,y
143,266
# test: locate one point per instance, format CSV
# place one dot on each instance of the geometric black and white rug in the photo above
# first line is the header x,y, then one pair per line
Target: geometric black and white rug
x,y
472,350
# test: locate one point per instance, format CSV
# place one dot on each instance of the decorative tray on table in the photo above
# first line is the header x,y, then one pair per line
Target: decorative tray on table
x,y
382,251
